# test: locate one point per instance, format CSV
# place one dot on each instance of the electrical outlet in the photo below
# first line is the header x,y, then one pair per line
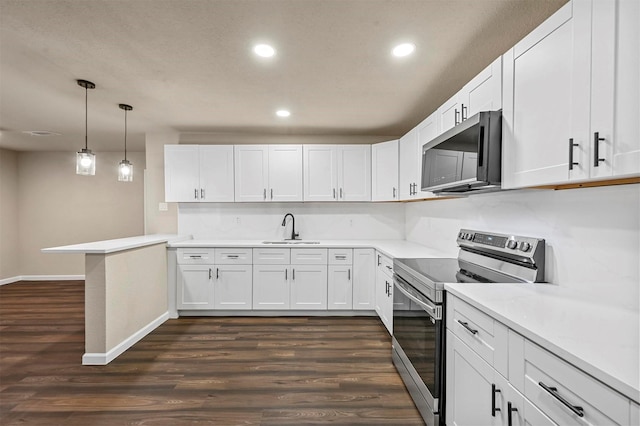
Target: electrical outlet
x,y
163,207
237,220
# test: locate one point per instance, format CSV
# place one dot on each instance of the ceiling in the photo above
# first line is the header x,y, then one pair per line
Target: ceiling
x,y
188,66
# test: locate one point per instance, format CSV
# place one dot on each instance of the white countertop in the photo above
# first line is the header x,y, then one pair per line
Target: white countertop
x,y
112,246
391,248
601,340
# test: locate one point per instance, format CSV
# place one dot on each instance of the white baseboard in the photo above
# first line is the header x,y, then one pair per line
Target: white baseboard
x,y
41,278
106,358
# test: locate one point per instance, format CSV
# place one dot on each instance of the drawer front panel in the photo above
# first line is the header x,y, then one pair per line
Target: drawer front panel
x,y
271,256
307,256
195,256
233,256
340,256
384,264
600,404
487,337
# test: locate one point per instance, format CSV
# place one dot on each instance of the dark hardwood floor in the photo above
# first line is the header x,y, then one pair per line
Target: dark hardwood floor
x,y
201,371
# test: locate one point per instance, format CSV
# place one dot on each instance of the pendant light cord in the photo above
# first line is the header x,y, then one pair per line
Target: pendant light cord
x,y
86,120
125,135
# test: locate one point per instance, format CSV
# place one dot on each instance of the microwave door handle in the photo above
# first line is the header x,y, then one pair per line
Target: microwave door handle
x,y
431,309
481,145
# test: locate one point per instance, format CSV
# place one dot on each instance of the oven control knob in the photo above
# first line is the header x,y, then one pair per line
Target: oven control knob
x,y
461,235
469,236
512,244
524,246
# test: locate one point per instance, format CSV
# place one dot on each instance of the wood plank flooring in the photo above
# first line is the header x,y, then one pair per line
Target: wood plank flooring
x,y
200,371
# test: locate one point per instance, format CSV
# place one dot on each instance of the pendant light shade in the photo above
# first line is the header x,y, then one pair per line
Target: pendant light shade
x,y
85,159
125,168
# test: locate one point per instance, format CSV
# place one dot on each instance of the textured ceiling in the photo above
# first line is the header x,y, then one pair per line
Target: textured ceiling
x,y
187,65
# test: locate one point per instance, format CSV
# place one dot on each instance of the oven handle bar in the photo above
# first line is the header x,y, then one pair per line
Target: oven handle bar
x,y
430,308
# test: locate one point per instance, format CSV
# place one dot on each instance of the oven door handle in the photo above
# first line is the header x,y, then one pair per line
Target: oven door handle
x,y
430,308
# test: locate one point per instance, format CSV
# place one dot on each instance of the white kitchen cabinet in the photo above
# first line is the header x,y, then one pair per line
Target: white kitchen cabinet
x,y
337,172
384,171
340,287
233,287
268,173
571,92
308,287
482,93
199,173
410,146
271,287
364,279
195,287
384,290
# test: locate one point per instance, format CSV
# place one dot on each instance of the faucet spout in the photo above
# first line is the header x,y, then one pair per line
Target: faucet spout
x,y
294,234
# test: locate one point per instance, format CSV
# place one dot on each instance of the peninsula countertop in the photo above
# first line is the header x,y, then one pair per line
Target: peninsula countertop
x,y
119,244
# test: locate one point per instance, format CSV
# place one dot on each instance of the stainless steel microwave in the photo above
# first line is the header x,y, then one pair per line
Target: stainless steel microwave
x,y
466,158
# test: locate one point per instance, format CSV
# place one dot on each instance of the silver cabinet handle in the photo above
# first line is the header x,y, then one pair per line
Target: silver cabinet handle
x,y
394,192
285,274
202,193
455,117
195,256
462,116
571,146
272,193
577,410
378,260
389,268
217,273
596,149
293,274
210,273
466,326
334,193
341,257
349,274
195,193
341,193
264,193
232,256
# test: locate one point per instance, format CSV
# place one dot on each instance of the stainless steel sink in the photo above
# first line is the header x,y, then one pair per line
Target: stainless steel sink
x,y
291,242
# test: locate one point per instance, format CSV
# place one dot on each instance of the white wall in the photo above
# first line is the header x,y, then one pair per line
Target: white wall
x,y
9,214
313,220
592,234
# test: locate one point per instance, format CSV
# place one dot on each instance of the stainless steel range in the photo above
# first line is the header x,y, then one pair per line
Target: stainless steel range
x,y
418,305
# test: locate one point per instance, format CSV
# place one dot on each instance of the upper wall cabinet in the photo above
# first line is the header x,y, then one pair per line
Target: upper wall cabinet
x,y
268,173
198,173
411,158
482,93
571,97
337,172
384,171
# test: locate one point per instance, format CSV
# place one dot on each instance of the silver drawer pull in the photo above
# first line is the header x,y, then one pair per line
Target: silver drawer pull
x,y
232,256
389,267
193,256
577,410
340,257
466,325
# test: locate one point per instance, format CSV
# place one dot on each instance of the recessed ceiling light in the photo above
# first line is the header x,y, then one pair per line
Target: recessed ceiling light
x,y
41,133
404,49
283,113
264,50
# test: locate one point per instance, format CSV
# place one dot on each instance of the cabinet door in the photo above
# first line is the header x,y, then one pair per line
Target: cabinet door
x,y
181,175
615,90
469,386
216,173
309,287
449,114
409,164
384,170
426,132
195,287
271,286
364,279
483,92
320,172
285,173
340,287
233,287
354,172
251,172
546,101
384,299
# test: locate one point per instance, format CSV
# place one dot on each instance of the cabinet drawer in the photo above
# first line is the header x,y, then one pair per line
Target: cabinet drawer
x,y
271,256
600,404
486,336
340,256
195,256
233,256
385,264
308,256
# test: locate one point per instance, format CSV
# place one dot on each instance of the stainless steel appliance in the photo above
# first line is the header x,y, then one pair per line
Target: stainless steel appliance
x,y
465,158
419,306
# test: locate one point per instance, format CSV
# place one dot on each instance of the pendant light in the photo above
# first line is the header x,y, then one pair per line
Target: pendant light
x,y
85,159
125,168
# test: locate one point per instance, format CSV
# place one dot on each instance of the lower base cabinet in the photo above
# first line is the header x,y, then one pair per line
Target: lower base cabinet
x,y
308,287
340,287
195,287
232,288
271,287
384,290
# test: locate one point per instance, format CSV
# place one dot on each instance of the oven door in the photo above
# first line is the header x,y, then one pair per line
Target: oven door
x,y
418,348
